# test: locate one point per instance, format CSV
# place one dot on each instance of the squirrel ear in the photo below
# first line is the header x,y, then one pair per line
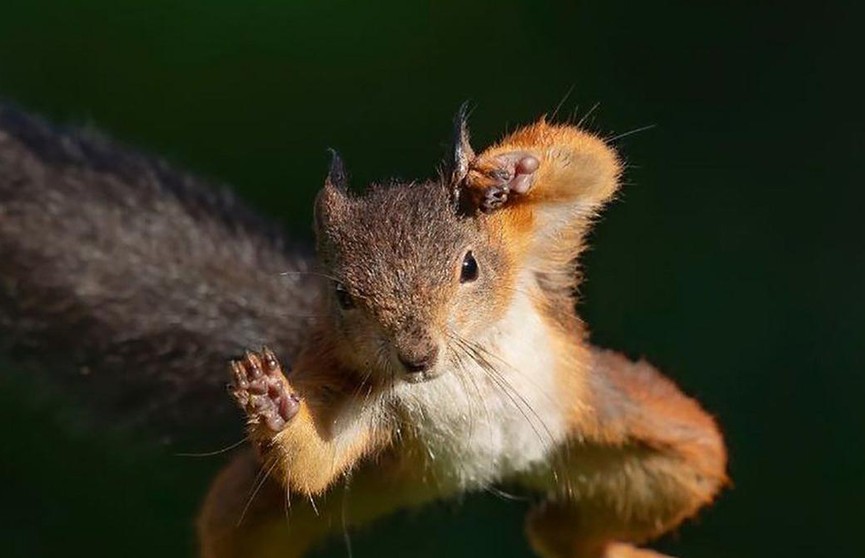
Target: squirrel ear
x,y
336,175
333,198
462,154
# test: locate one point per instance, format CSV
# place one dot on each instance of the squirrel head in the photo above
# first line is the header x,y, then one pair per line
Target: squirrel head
x,y
420,271
412,276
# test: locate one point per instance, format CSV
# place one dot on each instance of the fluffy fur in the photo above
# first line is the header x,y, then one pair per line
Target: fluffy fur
x,y
509,391
416,382
135,282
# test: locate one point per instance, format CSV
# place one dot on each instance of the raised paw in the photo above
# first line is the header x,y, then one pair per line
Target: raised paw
x,y
491,180
260,388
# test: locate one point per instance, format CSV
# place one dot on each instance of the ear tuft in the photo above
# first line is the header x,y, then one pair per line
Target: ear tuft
x,y
462,154
333,198
336,175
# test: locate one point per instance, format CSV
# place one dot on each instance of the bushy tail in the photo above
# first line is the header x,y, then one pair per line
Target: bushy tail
x,y
135,282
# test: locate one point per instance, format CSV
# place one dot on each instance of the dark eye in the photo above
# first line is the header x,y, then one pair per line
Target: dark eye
x,y
343,298
469,270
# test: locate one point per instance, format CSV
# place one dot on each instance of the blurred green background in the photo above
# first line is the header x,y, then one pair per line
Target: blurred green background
x,y
734,260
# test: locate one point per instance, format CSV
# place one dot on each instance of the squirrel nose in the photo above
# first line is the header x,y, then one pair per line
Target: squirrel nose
x,y
422,362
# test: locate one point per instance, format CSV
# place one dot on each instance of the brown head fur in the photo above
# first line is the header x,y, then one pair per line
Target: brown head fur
x,y
396,253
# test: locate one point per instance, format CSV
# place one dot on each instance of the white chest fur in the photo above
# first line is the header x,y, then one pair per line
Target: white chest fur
x,y
480,425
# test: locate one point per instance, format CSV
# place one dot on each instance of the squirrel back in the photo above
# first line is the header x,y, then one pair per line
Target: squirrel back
x,y
135,281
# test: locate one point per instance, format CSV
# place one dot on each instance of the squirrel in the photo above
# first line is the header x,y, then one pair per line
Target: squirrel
x,y
430,349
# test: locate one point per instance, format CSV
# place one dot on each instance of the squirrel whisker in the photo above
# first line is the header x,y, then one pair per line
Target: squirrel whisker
x,y
228,448
260,479
478,355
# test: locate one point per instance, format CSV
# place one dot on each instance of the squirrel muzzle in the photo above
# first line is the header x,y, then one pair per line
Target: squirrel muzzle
x,y
417,354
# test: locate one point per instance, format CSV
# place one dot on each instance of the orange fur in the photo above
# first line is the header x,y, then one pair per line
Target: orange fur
x,y
644,457
308,455
277,524
639,456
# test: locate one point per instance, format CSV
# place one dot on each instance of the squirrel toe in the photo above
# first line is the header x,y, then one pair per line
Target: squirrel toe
x,y
491,181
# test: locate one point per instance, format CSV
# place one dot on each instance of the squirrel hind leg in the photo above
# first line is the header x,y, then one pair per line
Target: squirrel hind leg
x,y
245,515
625,550
555,530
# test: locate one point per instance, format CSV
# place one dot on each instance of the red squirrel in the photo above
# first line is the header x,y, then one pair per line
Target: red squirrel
x,y
449,358
442,352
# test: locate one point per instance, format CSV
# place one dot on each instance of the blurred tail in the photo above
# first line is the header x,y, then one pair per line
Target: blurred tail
x,y
134,282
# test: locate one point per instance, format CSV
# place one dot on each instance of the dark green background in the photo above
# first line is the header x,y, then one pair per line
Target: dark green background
x,y
734,259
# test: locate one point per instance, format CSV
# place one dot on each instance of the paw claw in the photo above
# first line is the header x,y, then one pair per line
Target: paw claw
x,y
271,364
252,364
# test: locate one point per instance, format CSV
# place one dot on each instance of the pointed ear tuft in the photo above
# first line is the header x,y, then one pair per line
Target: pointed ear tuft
x,y
336,175
462,154
333,198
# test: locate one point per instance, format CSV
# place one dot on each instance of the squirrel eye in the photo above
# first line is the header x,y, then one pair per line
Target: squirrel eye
x,y
469,270
343,298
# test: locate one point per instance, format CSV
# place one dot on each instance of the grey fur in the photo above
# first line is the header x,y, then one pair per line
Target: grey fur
x,y
145,278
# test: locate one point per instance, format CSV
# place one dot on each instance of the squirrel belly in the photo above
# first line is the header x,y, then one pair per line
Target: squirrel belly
x,y
502,413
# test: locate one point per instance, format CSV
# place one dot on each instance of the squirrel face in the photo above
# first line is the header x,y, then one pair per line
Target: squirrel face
x,y
414,280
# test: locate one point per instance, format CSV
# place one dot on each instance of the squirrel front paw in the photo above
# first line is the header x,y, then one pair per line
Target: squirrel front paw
x,y
492,179
262,391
